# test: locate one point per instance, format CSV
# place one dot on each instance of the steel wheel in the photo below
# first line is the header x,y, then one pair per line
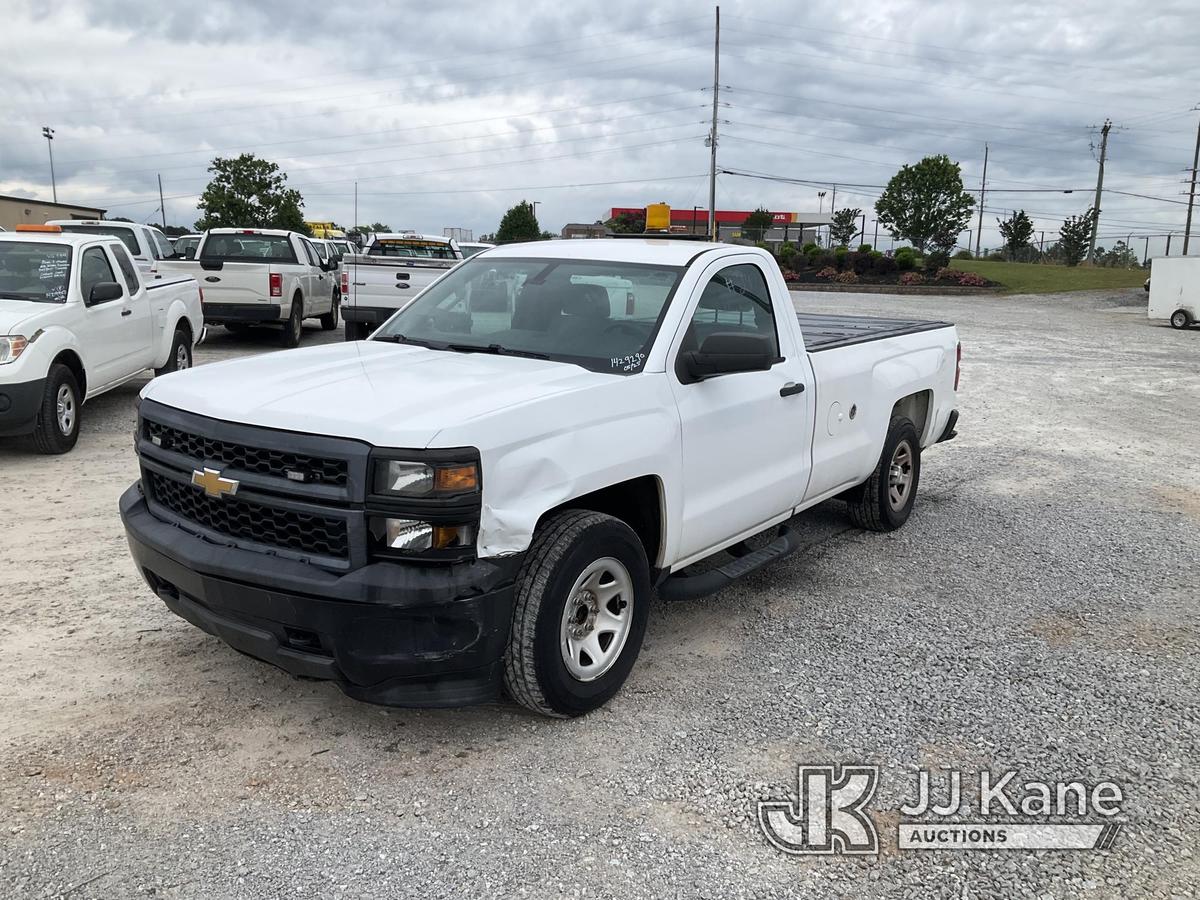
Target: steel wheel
x,y
900,475
1180,319
65,407
183,359
596,619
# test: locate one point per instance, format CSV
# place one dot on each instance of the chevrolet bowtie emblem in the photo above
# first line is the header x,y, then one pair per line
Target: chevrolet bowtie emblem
x,y
212,483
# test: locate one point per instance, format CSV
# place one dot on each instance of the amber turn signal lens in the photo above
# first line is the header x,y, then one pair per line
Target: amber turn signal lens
x,y
456,478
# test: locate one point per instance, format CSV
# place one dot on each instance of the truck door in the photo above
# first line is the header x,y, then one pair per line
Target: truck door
x,y
139,315
105,337
318,292
745,435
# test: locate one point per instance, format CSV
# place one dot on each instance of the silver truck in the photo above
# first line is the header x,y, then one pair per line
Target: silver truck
x,y
395,268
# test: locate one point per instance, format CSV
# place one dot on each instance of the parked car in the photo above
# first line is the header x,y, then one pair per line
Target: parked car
x,y
77,318
262,276
343,247
147,245
184,246
476,499
470,248
395,268
1175,292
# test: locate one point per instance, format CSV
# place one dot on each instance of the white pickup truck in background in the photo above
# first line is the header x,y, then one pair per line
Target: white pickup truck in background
x,y
148,246
475,498
394,269
262,276
77,319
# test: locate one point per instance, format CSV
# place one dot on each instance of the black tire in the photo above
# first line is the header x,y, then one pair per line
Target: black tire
x,y
1181,318
294,326
356,331
872,504
329,321
535,672
181,353
48,434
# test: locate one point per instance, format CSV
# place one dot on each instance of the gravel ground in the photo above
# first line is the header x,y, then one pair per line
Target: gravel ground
x,y
1038,612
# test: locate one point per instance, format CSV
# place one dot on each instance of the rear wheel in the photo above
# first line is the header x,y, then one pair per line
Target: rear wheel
x,y
885,500
329,321
294,326
181,354
1181,318
581,606
57,427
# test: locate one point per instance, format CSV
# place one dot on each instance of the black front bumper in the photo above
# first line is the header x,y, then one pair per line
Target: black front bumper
x,y
390,633
220,313
19,404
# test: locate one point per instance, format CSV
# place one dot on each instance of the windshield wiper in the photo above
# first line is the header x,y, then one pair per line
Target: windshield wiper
x,y
401,339
497,349
33,298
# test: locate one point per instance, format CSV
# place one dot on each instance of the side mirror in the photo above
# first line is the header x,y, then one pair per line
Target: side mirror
x,y
725,354
104,291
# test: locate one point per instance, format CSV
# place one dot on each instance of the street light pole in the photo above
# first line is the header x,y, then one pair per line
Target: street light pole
x,y
48,134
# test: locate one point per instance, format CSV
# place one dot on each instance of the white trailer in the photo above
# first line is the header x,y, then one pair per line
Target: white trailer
x,y
1175,290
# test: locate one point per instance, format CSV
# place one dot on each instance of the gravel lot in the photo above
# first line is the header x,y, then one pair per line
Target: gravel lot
x,y
1038,612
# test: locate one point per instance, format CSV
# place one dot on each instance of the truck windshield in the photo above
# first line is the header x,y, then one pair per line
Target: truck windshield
x,y
599,315
34,271
128,238
248,248
411,248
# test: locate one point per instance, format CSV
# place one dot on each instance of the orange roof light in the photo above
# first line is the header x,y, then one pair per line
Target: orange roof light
x,y
44,229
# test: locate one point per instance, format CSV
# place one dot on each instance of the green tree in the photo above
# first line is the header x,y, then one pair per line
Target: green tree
x,y
373,228
1074,237
1016,230
248,192
925,204
1119,257
844,225
757,224
519,224
627,223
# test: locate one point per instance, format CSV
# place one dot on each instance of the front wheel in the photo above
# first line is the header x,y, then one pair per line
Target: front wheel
x,y
580,612
181,354
1181,318
885,500
57,427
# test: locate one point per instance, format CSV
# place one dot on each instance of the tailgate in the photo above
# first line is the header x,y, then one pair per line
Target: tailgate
x,y
390,283
236,282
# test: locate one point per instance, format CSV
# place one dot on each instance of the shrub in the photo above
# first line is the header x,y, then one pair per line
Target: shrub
x,y
947,273
912,278
860,262
810,248
827,272
846,277
875,254
996,257
906,259
787,253
841,255
824,260
865,248
971,279
789,275
884,265
938,259
964,254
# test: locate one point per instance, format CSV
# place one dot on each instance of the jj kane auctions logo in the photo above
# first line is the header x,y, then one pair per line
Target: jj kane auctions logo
x,y
829,814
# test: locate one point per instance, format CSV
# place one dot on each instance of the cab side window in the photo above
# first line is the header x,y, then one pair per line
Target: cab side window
x,y
93,270
313,259
735,300
125,264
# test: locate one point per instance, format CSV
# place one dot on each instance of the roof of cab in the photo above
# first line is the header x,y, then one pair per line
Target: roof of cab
x,y
663,251
410,236
58,237
266,231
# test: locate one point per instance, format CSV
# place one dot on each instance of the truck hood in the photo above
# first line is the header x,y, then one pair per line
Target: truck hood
x,y
389,395
24,316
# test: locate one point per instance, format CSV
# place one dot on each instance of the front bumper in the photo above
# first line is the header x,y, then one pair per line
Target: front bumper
x,y
19,404
389,633
371,315
220,313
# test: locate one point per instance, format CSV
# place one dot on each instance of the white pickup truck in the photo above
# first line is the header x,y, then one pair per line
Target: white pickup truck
x,y
475,499
78,319
148,246
395,268
262,276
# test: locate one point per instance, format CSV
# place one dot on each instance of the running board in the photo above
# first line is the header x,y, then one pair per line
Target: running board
x,y
693,587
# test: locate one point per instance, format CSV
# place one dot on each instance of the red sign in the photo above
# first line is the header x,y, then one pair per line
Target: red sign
x,y
700,216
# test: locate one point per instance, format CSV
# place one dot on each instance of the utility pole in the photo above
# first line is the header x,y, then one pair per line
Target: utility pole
x,y
1170,234
832,208
712,135
1099,189
982,188
161,205
1187,232
875,242
48,134
863,234
1146,251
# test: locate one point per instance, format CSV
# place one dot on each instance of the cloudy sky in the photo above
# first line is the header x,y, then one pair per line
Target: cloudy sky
x,y
446,114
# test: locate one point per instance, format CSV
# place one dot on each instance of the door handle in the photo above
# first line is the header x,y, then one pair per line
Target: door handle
x,y
127,312
403,287
791,388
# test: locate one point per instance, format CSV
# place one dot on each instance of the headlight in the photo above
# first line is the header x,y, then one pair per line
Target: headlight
x,y
11,347
403,478
406,536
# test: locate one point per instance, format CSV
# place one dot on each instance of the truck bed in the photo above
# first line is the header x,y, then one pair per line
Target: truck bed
x,y
823,332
